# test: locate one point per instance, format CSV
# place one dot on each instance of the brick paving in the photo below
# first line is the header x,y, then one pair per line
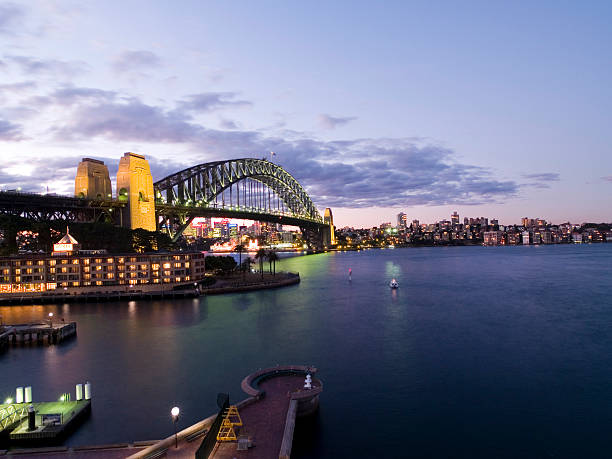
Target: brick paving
x,y
264,420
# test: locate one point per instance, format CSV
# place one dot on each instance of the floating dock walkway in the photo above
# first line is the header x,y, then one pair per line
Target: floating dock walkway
x,y
27,423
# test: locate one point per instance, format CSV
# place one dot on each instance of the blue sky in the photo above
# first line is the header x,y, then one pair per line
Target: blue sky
x,y
488,108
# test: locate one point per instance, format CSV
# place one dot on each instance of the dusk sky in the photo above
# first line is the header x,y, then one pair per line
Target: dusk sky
x,y
492,109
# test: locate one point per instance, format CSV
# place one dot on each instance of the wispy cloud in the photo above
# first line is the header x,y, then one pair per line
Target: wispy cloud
x,y
34,66
541,180
10,131
608,178
10,16
18,86
332,122
209,101
135,61
544,177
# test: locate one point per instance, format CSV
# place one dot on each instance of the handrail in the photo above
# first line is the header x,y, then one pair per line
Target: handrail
x,y
11,415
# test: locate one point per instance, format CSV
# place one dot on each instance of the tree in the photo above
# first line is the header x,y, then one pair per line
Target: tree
x,y
221,264
240,249
246,265
261,255
272,257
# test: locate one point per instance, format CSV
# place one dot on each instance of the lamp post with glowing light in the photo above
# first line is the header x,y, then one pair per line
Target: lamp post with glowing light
x,y
175,414
50,320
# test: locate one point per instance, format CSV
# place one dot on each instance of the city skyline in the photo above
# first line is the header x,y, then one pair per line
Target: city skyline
x,y
374,111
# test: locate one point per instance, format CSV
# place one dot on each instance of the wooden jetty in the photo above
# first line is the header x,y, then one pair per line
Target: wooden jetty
x,y
39,333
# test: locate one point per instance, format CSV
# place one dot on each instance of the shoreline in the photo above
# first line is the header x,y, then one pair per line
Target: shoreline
x,y
224,285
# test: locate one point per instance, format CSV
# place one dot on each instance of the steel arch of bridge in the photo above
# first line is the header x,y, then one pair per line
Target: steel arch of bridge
x,y
198,186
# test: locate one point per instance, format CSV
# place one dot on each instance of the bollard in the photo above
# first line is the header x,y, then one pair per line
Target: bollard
x,y
19,395
79,392
31,418
87,390
28,394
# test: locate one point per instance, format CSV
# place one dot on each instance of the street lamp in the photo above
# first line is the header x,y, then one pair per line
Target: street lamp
x,y
50,320
175,414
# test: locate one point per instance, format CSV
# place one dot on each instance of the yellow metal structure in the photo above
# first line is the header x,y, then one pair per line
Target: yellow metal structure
x,y
226,432
135,185
233,416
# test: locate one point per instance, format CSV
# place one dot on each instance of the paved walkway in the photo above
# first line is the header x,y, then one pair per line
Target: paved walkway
x,y
264,420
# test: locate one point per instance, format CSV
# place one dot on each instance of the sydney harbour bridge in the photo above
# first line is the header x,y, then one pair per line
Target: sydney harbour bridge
x,y
245,188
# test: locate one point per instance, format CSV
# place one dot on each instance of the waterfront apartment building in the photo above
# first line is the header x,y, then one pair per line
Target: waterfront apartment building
x,y
40,273
95,270
493,237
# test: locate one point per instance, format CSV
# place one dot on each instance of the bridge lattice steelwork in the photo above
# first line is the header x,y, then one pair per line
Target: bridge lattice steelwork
x,y
246,188
250,185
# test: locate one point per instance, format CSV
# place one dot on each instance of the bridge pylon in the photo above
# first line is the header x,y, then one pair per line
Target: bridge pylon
x,y
135,185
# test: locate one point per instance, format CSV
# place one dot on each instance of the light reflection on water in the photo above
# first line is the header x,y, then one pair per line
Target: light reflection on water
x,y
478,347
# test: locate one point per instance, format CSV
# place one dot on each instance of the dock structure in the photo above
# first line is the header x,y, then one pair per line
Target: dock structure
x,y
51,421
277,396
39,333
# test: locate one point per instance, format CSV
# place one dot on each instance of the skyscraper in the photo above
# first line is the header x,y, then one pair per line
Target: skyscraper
x,y
455,218
402,219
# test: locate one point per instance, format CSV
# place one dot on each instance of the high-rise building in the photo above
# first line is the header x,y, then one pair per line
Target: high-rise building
x,y
493,237
526,238
402,219
525,222
455,218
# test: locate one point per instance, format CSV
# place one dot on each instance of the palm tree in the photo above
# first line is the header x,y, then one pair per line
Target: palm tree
x,y
240,249
247,264
272,257
260,255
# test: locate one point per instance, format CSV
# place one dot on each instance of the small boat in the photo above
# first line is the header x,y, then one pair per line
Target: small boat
x,y
393,284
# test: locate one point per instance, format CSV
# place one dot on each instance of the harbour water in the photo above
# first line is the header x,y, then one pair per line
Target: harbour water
x,y
481,352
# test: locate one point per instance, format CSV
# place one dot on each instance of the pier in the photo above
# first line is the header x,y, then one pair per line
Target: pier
x,y
39,333
277,396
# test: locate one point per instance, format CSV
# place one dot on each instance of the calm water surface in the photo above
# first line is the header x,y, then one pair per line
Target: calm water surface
x,y
482,352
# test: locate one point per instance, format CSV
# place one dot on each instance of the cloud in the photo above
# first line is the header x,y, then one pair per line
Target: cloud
x,y
608,178
135,61
10,15
209,101
332,122
129,120
369,172
10,132
544,177
541,180
228,124
69,95
18,87
33,66
41,171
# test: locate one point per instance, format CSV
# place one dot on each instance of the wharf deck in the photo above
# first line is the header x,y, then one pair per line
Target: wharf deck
x,y
52,333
